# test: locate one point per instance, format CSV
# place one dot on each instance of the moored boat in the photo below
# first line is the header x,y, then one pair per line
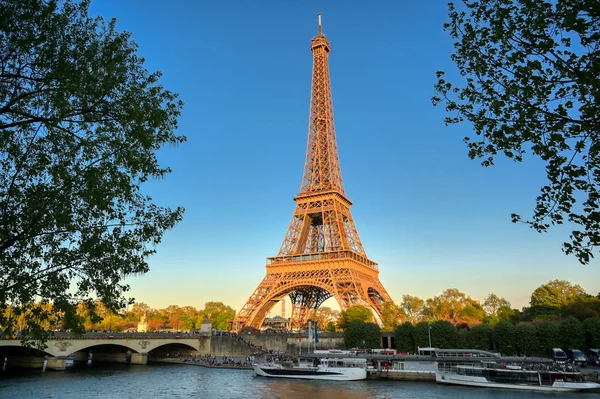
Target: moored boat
x,y
330,369
520,379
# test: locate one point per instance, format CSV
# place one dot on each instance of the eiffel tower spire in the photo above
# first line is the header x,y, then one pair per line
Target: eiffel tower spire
x,y
334,228
322,167
321,255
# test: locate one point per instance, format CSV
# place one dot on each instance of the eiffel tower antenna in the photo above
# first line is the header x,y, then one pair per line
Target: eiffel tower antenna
x,y
321,255
320,25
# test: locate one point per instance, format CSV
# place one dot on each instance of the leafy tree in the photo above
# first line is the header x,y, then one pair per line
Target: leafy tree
x,y
592,332
531,85
505,313
504,337
323,315
572,333
421,334
412,308
391,315
33,315
480,337
96,312
85,316
139,310
443,334
584,307
111,322
330,327
189,318
354,313
525,338
156,324
549,299
81,120
219,314
462,338
548,336
359,334
472,313
454,306
403,337
493,303
173,314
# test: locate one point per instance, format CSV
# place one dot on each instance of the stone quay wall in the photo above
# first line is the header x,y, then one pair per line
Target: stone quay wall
x,y
289,343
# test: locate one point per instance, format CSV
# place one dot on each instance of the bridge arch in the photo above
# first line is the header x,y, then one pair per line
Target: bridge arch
x,y
15,347
70,349
136,344
171,348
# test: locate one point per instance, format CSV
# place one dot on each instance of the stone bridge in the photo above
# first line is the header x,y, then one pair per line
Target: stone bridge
x,y
64,346
134,348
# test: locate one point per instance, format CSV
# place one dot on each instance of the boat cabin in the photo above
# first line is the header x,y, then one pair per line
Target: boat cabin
x,y
331,362
501,375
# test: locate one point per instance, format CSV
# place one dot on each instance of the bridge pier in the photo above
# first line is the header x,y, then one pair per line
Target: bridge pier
x,y
56,363
139,358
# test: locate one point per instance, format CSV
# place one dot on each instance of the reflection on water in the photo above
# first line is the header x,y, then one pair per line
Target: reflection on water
x,y
272,388
185,381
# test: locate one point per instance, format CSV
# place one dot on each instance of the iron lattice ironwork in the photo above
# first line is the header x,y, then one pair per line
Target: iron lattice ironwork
x,y
322,255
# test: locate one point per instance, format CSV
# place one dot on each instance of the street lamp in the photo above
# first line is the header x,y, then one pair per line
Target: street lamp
x,y
429,332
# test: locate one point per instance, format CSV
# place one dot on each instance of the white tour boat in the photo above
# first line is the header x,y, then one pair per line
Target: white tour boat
x,y
331,369
511,378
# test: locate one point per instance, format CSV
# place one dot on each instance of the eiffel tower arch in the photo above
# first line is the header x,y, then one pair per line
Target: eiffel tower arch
x,y
321,255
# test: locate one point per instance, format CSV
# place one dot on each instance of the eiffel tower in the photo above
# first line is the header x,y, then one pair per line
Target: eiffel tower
x,y
321,255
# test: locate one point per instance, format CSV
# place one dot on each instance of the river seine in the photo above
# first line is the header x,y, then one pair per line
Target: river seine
x,y
186,381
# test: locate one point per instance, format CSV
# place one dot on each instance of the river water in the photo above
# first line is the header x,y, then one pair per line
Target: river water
x,y
187,381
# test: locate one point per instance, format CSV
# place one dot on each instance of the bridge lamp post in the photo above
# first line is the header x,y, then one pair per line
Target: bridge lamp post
x,y
429,332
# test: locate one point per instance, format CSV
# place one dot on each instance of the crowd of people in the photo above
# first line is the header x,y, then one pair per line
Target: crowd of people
x,y
550,366
219,361
257,349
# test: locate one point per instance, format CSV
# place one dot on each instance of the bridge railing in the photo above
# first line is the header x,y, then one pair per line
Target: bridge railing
x,y
116,335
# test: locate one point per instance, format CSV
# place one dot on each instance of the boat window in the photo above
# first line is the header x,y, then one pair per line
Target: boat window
x,y
397,365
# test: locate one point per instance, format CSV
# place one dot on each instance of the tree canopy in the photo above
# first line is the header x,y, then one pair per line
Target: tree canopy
x,y
493,303
454,306
531,85
550,298
325,317
354,313
359,334
81,120
219,314
404,337
412,307
391,316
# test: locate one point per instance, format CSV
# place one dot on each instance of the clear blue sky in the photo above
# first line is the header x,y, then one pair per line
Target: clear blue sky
x,y
431,217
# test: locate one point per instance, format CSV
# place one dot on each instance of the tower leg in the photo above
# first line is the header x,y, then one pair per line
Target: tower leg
x,y
257,306
299,317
